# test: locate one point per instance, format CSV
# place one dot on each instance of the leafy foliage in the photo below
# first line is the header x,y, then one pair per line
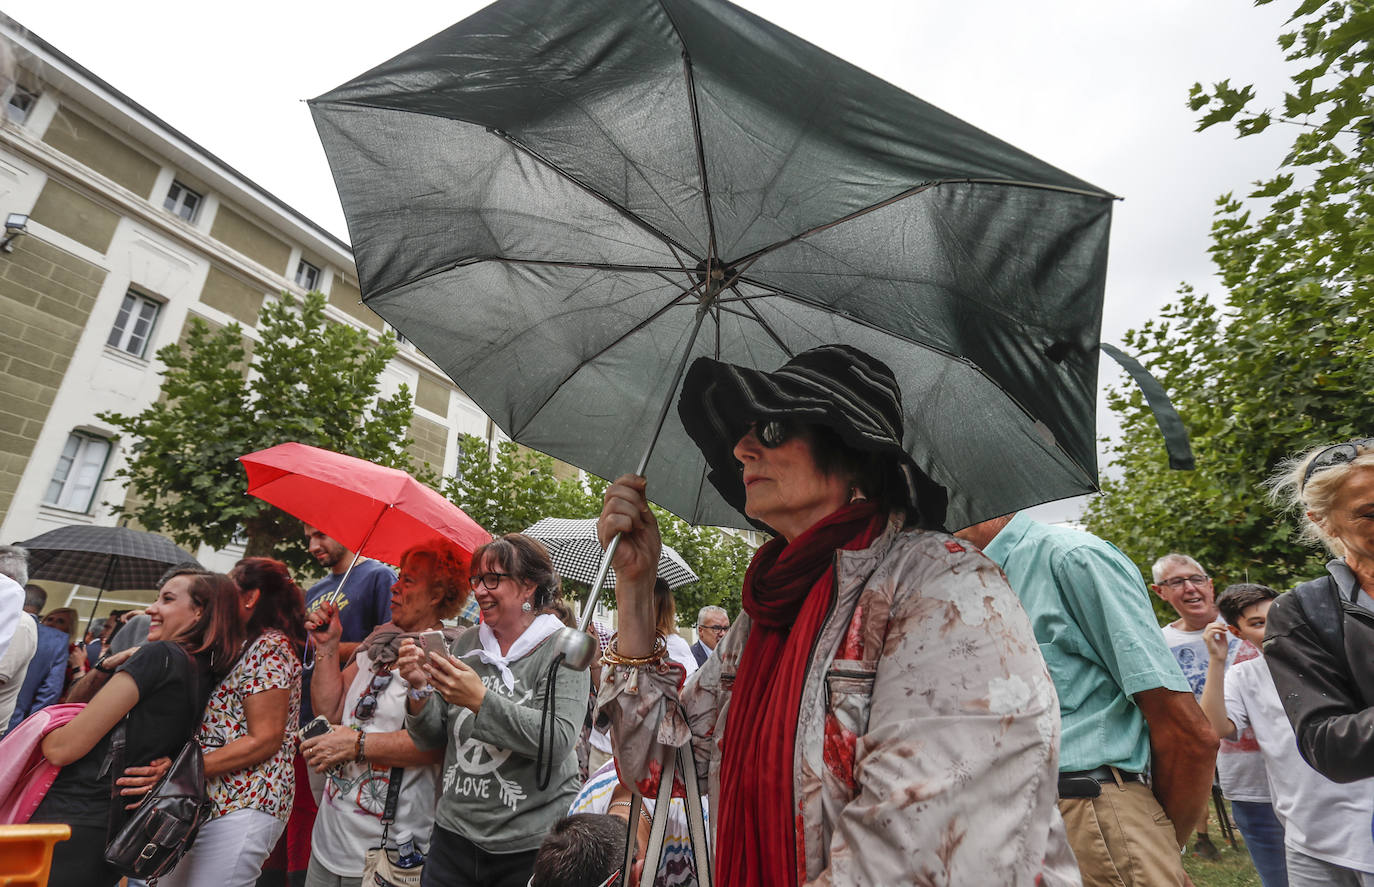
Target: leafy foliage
x,y
307,380
509,487
1281,363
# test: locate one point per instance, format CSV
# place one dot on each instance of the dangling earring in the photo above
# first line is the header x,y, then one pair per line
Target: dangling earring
x,y
526,606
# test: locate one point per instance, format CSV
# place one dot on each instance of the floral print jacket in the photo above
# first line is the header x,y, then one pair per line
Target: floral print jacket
x,y
927,743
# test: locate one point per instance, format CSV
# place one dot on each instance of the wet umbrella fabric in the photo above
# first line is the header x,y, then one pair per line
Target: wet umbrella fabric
x,y
576,552
108,558
541,196
367,508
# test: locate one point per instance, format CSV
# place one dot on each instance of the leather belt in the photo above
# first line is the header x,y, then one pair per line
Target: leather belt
x,y
1088,783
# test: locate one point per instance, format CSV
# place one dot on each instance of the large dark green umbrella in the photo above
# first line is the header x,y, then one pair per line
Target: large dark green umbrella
x,y
547,198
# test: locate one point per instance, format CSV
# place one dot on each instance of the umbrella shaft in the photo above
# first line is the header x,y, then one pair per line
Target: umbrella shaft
x,y
605,567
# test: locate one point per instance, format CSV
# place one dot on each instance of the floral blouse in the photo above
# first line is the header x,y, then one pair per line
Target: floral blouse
x,y
269,663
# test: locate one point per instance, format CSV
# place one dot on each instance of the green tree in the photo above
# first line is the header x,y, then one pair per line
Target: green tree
x,y
508,488
1281,362
306,379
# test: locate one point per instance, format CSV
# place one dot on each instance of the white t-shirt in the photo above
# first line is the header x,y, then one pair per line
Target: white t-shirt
x,y
1321,818
350,818
1240,766
14,665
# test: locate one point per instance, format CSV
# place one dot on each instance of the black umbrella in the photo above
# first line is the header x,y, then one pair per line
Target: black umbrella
x,y
107,558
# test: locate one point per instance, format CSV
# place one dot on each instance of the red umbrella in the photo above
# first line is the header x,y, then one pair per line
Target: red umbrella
x,y
370,510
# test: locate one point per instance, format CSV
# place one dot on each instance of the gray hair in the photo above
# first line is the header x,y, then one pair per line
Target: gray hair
x,y
1174,557
35,598
14,563
710,609
1314,498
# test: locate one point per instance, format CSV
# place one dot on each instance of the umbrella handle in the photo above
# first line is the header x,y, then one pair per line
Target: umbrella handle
x,y
578,655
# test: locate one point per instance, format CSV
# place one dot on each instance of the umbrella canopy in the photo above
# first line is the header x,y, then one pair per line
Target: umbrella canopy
x,y
576,552
107,558
368,509
542,196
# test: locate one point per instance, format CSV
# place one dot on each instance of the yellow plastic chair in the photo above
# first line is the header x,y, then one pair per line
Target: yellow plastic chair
x,y
26,853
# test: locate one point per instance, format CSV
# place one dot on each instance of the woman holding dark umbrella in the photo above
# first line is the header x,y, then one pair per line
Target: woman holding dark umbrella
x,y
880,713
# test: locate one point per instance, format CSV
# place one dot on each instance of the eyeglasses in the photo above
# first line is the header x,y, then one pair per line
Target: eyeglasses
x,y
1180,581
489,581
773,433
367,704
718,629
1336,454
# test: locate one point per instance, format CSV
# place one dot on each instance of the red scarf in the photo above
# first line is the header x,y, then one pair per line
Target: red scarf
x,y
787,593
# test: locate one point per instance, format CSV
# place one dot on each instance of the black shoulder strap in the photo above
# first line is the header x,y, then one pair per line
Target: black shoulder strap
x,y
393,799
1320,601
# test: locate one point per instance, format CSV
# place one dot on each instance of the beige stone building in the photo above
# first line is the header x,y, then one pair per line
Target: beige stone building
x,y
132,230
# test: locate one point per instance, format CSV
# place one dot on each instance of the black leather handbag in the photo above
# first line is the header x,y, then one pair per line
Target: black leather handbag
x,y
165,824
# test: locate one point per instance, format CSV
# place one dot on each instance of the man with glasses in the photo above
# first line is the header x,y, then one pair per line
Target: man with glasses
x,y
712,624
1182,583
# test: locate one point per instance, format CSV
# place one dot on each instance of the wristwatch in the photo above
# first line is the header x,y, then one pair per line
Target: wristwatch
x,y
100,666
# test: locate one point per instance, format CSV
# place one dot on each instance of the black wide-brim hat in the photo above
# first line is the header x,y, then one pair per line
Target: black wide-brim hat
x,y
836,386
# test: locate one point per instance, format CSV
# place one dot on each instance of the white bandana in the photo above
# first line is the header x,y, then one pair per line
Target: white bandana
x,y
544,625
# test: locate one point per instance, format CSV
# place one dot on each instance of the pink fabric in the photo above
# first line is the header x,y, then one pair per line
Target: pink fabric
x,y
25,775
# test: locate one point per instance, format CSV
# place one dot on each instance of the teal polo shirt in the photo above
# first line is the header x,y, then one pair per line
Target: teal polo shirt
x,y
1092,618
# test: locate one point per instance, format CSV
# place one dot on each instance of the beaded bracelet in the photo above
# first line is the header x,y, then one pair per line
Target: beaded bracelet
x,y
360,755
612,655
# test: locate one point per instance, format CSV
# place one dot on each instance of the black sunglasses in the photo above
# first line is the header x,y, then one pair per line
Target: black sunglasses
x,y
367,703
773,433
1336,454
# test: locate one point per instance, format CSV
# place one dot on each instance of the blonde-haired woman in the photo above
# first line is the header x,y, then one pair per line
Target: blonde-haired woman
x,y
1318,637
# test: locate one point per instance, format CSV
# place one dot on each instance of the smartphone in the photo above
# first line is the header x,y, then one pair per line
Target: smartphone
x,y
317,727
433,642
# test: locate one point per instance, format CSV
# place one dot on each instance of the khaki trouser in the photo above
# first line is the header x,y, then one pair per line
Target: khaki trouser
x,y
1123,838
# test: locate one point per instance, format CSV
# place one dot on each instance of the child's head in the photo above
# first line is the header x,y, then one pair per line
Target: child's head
x,y
1245,607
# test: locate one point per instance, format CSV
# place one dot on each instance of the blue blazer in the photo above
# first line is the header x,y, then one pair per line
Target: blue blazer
x,y
47,671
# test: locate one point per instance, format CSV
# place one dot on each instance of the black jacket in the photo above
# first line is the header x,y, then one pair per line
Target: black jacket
x,y
1325,678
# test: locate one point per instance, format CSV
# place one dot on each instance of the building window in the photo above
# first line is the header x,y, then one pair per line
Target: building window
x,y
20,103
182,201
134,325
307,276
78,471
400,337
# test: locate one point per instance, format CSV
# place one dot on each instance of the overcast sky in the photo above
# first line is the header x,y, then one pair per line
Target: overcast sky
x,y
1096,87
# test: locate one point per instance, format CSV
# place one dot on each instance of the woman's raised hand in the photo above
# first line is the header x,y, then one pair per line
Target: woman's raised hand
x,y
625,510
338,746
324,625
410,664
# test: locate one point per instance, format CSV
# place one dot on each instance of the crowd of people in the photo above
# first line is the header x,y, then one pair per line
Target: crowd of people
x,y
893,705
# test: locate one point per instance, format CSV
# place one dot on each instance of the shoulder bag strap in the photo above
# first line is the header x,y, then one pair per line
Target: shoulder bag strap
x,y
114,767
393,800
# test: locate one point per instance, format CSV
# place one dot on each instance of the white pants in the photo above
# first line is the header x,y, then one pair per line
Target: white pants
x,y
1309,871
228,852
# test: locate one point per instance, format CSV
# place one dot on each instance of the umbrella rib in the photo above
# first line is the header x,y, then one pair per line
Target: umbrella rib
x,y
911,192
608,346
696,132
593,266
768,328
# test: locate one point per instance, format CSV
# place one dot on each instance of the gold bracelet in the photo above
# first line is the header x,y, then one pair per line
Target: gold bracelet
x,y
612,655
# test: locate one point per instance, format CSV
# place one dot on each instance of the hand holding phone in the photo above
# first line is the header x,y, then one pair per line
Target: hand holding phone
x,y
434,642
317,727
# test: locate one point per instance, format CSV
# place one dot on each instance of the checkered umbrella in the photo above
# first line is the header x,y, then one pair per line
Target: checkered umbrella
x,y
576,552
108,558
